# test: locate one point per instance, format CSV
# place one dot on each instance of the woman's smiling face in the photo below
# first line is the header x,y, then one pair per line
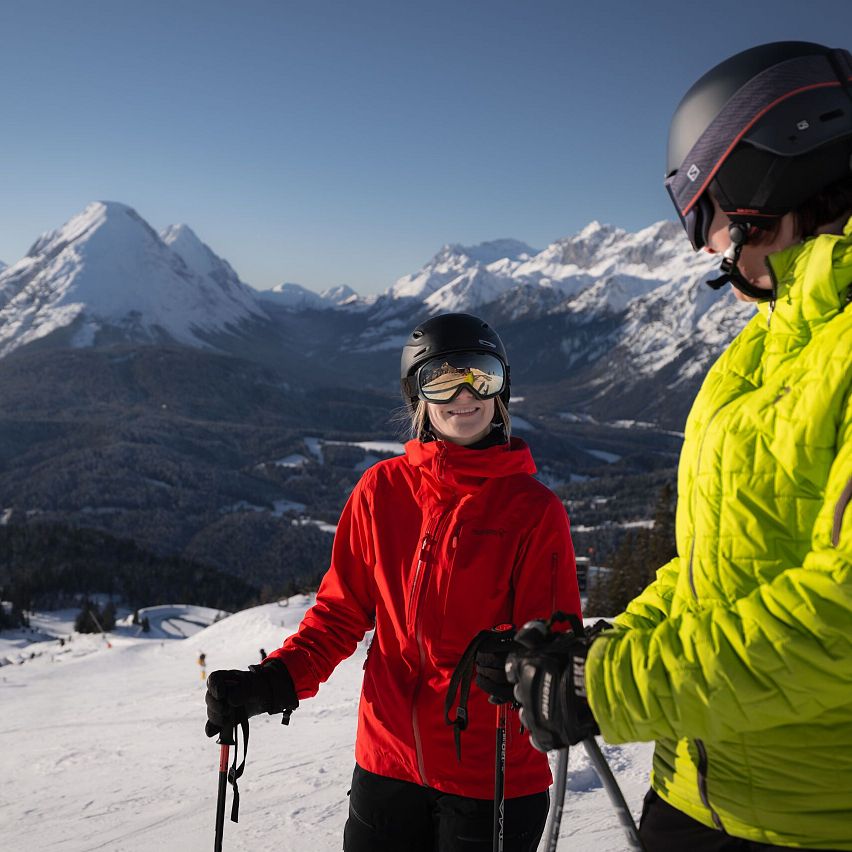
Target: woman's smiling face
x,y
464,421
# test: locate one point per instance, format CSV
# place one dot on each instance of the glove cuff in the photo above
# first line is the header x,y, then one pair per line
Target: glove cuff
x,y
281,692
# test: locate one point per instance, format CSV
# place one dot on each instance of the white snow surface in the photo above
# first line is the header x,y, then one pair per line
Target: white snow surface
x,y
104,748
295,297
455,262
107,268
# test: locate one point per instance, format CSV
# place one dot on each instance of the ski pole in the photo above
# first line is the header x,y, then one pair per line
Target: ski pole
x,y
500,778
558,801
226,740
614,793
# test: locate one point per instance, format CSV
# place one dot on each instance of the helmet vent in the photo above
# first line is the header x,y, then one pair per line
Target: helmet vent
x,y
830,116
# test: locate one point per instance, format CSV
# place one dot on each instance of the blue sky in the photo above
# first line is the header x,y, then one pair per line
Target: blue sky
x,y
344,141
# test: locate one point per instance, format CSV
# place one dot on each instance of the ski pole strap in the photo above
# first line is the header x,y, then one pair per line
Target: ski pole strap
x,y
460,686
236,771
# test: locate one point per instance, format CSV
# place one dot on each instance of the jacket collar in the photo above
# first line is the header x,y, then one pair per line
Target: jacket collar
x,y
809,293
459,466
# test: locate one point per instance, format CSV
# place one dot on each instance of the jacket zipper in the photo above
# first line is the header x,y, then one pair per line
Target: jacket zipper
x,y
702,784
693,499
415,613
418,573
699,744
839,510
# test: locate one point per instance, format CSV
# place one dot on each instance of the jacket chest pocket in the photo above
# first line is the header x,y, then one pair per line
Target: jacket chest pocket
x,y
476,591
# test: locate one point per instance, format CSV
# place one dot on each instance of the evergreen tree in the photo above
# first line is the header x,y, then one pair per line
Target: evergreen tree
x,y
88,620
636,561
107,618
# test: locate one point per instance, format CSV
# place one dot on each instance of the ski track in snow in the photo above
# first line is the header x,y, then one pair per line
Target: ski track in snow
x,y
105,750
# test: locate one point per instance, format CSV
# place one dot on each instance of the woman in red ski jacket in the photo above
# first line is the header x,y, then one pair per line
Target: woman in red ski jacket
x,y
432,547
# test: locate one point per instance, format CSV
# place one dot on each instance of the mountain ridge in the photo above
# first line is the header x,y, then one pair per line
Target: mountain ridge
x,y
603,312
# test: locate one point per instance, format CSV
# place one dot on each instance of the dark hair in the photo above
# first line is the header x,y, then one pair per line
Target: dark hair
x,y
826,206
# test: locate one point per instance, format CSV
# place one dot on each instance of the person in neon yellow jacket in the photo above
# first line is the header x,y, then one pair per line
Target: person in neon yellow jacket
x,y
737,659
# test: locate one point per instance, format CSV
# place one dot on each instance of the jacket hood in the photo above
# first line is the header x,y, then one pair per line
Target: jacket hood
x,y
460,466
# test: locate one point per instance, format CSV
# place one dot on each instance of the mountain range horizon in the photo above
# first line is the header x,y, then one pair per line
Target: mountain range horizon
x,y
485,252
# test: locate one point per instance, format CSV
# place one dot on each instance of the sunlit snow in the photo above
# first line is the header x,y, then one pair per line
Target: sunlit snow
x,y
104,746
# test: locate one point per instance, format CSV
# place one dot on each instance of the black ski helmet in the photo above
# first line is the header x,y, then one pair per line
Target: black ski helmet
x,y
443,335
768,128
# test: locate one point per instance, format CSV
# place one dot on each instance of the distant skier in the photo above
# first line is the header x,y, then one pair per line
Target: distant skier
x,y
262,654
432,547
202,662
737,659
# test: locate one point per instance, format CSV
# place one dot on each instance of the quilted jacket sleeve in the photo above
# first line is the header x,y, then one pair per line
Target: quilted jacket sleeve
x,y
545,575
345,606
781,654
652,605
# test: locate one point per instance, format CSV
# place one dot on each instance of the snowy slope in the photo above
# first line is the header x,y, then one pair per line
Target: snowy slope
x,y
607,265
105,751
105,270
214,270
493,260
294,297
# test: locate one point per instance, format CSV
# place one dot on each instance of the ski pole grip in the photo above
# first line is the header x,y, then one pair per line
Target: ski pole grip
x,y
226,736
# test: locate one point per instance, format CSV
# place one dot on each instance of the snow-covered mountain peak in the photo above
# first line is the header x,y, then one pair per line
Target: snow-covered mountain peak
x,y
105,225
196,254
107,271
591,230
455,261
340,295
294,297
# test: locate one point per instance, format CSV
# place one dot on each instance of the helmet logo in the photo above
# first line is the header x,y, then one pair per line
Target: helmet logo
x,y
802,125
693,172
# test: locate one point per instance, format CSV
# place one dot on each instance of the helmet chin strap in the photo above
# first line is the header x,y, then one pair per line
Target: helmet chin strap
x,y
731,274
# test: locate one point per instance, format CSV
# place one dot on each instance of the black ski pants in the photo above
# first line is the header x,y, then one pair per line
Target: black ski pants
x,y
388,815
664,828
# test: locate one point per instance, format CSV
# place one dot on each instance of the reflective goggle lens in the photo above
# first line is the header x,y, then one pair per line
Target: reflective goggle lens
x,y
442,379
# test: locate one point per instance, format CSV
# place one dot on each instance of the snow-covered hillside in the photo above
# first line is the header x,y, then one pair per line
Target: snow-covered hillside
x,y
104,748
296,297
455,262
107,272
608,265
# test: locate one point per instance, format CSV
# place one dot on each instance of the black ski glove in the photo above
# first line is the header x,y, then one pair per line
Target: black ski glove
x,y
234,695
491,658
550,683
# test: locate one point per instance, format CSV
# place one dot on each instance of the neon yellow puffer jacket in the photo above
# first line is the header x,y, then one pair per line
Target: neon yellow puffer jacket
x,y
737,659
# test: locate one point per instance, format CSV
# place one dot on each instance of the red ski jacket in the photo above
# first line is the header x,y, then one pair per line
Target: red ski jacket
x,y
431,548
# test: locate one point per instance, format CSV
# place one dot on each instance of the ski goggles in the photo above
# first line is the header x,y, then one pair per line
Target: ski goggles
x,y
696,222
443,378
